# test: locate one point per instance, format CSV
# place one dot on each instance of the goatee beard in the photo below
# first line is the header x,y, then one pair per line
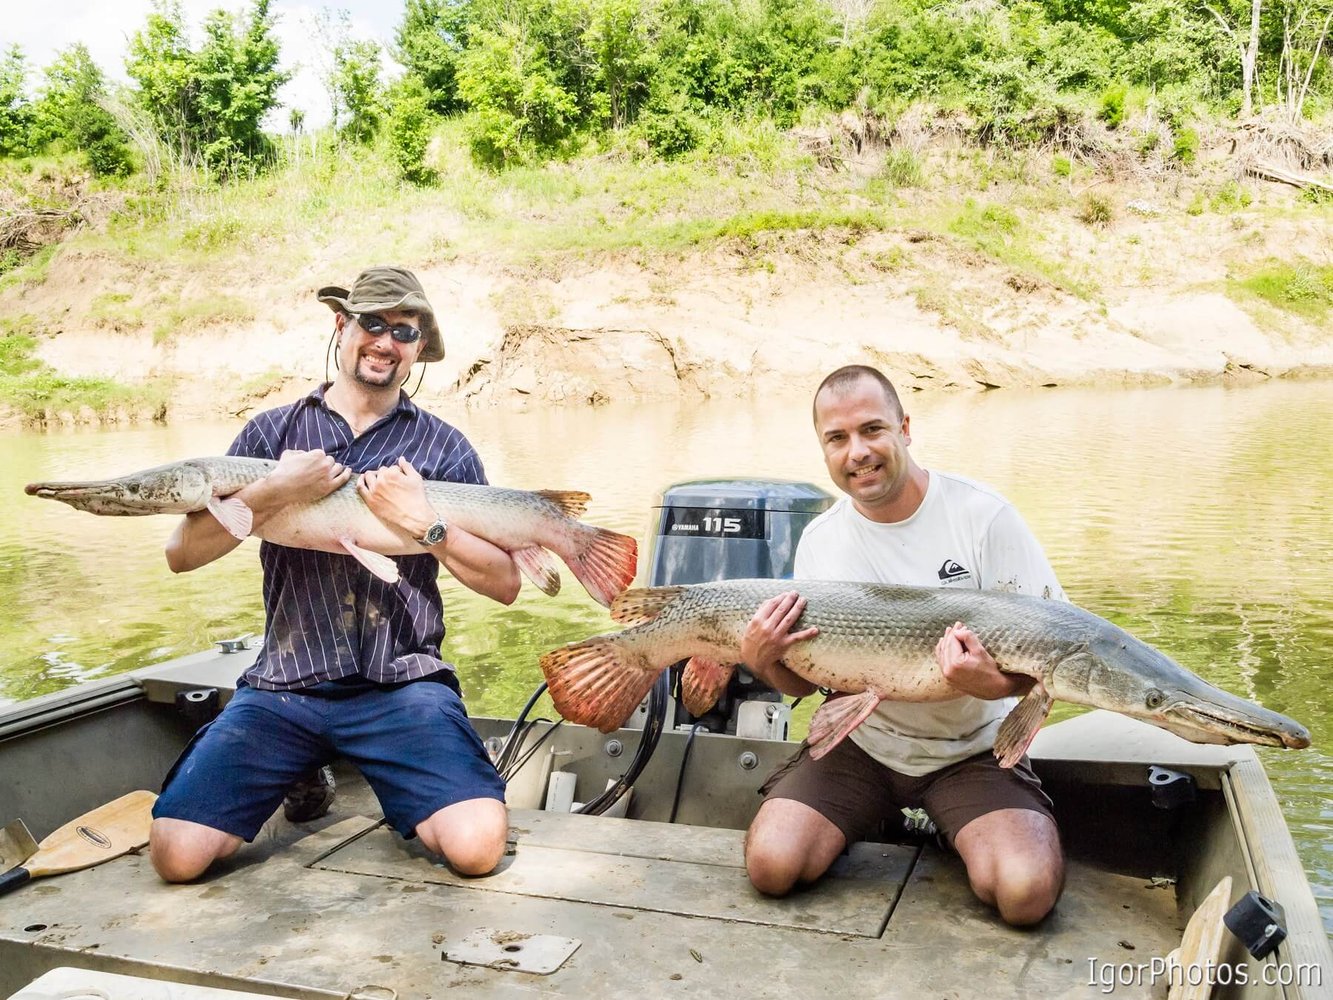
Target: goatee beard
x,y
386,381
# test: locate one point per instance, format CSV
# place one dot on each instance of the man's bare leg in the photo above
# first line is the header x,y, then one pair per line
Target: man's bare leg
x,y
789,843
470,835
1014,863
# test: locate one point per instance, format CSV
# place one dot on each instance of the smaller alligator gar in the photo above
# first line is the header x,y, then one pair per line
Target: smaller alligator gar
x,y
877,643
525,524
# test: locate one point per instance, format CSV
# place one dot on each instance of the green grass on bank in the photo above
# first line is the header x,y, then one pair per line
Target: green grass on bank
x,y
181,254
1300,287
40,395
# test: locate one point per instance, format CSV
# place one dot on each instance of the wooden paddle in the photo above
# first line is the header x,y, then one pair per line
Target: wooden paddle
x,y
98,835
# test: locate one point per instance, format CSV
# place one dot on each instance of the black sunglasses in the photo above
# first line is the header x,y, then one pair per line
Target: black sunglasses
x,y
375,325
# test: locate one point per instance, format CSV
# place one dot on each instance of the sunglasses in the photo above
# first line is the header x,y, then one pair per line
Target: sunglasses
x,y
375,326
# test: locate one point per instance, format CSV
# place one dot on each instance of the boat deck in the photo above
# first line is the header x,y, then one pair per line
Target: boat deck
x,y
346,907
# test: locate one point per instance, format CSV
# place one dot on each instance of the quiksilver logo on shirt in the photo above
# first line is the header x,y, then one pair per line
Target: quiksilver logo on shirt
x,y
951,571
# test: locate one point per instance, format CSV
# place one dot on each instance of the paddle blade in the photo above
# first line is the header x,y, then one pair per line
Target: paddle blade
x,y
98,835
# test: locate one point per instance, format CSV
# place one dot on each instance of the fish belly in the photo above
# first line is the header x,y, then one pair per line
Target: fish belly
x,y
324,524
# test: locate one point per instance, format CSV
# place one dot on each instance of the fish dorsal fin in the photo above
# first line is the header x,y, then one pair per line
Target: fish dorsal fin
x,y
539,566
643,604
233,514
382,566
572,503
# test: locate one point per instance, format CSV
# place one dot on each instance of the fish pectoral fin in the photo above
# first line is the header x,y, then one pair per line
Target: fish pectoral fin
x,y
703,682
540,567
1020,726
836,718
233,514
382,566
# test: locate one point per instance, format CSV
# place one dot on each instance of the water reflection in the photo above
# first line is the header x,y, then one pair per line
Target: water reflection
x,y
1196,518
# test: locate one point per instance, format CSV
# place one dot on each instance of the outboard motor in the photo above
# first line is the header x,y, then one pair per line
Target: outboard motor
x,y
728,529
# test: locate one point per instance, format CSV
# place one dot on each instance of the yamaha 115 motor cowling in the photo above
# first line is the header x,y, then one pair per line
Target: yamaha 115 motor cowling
x,y
729,529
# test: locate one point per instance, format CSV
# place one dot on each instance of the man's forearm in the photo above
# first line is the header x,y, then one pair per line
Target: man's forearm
x,y
197,541
199,538
479,565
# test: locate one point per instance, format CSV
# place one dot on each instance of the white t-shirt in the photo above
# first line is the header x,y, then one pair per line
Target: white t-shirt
x,y
964,534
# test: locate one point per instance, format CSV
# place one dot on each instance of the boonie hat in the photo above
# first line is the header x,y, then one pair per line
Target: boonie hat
x,y
386,289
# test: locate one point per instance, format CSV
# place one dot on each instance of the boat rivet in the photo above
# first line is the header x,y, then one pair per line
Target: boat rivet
x,y
614,748
749,760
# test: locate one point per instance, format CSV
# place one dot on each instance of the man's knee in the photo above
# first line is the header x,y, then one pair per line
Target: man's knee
x,y
181,851
1026,892
470,835
1014,863
789,843
773,868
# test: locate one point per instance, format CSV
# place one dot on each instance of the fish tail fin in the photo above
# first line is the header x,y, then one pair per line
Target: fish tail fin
x,y
703,682
598,682
572,503
606,564
539,566
836,718
1020,726
643,604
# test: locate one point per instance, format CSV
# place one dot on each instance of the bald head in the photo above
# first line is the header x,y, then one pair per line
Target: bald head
x,y
847,378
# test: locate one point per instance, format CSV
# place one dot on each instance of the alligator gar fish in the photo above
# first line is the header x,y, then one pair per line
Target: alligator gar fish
x,y
877,643
525,524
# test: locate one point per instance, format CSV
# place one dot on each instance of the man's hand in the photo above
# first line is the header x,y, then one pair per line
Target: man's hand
x,y
767,639
396,494
968,667
303,477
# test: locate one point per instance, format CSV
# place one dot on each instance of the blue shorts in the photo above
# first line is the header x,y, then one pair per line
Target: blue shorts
x,y
413,743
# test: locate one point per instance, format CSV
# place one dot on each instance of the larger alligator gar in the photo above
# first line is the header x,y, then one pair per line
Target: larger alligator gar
x,y
878,644
525,524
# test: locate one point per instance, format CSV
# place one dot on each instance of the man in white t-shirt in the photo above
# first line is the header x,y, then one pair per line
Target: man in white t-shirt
x,y
902,524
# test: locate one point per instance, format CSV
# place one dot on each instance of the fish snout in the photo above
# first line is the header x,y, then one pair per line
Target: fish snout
x,y
1295,737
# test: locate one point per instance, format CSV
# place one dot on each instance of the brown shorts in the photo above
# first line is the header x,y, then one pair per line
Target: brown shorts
x,y
856,793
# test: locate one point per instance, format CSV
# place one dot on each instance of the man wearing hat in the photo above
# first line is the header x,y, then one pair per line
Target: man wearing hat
x,y
350,665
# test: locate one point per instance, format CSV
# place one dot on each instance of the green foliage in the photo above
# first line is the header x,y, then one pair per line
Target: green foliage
x,y
15,108
409,126
1096,210
208,104
1302,287
1230,197
902,168
520,105
430,40
1061,165
1185,145
358,95
990,226
1112,109
71,114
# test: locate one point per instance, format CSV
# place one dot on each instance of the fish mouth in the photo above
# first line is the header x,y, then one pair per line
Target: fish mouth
x,y
1221,725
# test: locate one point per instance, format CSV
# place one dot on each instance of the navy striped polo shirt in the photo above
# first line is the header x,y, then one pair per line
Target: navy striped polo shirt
x,y
328,617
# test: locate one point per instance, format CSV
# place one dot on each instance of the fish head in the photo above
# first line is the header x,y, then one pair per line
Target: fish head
x,y
177,488
1116,671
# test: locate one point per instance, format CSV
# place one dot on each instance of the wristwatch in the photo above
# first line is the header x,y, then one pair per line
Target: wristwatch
x,y
435,533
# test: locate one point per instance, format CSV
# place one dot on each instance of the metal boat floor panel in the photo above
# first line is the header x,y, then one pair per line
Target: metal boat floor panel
x,y
277,918
637,865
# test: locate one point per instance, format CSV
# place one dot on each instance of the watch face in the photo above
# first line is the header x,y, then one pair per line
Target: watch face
x,y
434,534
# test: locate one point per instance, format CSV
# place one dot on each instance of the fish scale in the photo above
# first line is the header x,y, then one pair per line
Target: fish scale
x,y
878,642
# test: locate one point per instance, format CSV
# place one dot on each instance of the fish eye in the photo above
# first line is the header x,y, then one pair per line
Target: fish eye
x,y
1154,698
